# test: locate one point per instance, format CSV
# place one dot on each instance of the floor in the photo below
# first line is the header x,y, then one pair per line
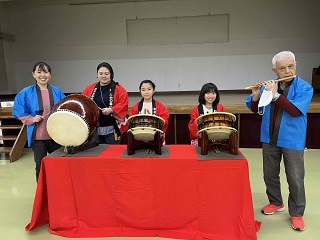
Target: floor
x,y
17,188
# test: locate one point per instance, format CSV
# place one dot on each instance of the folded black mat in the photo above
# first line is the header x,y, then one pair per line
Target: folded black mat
x,y
218,156
143,153
91,152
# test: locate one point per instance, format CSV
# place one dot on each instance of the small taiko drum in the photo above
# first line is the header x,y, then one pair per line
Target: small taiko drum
x,y
218,125
73,120
144,126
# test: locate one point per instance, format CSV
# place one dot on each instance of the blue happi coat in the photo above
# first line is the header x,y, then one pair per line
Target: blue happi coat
x,y
26,103
292,130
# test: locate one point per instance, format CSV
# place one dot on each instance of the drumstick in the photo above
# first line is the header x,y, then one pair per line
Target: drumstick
x,y
278,80
46,114
42,117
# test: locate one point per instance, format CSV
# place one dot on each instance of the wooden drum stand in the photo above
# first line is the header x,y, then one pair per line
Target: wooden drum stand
x,y
133,145
216,130
145,131
230,144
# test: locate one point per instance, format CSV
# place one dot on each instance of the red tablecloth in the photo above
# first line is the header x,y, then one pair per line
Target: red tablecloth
x,y
176,197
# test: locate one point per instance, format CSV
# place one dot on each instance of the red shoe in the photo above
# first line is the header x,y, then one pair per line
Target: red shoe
x,y
271,209
297,223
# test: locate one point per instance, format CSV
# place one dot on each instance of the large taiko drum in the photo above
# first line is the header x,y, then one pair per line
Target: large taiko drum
x,y
73,120
218,125
144,126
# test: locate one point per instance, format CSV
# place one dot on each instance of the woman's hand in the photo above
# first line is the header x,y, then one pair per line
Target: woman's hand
x,y
106,111
37,118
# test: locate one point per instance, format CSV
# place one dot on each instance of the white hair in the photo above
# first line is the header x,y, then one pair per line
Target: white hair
x,y
284,55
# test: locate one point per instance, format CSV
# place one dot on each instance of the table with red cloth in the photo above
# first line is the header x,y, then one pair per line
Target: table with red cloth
x,y
178,196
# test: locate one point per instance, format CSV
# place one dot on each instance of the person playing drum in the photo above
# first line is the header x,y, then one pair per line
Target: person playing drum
x,y
112,100
148,105
209,99
32,105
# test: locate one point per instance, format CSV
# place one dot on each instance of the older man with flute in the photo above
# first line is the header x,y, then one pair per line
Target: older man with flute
x,y
283,134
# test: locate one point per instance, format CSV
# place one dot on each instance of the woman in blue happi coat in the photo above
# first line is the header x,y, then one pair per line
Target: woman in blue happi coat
x,y
32,105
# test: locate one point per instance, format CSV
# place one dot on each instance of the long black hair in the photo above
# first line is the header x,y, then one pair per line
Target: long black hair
x,y
209,88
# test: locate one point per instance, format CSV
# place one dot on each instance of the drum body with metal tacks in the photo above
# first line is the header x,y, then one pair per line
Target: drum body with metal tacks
x,y
144,126
73,120
218,125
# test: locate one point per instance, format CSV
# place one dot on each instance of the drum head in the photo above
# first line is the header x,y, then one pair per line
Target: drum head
x,y
230,115
67,128
144,133
142,116
218,132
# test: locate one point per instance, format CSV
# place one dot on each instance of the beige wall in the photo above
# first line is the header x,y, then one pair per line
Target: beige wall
x,y
74,39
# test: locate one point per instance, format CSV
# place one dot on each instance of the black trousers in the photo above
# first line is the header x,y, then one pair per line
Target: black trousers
x,y
40,149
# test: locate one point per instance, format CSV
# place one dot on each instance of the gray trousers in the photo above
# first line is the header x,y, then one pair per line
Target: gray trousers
x,y
294,169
